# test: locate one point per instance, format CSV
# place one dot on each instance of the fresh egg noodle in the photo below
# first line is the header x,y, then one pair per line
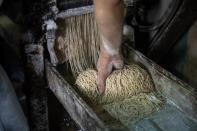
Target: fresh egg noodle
x,y
121,84
134,108
129,96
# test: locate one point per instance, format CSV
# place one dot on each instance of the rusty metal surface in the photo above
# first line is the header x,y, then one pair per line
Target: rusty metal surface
x,y
76,11
76,8
69,4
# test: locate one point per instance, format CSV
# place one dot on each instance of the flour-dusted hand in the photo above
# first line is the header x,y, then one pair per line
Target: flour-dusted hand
x,y
105,65
109,16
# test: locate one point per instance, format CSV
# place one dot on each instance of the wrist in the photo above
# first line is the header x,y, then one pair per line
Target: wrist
x,y
110,47
111,50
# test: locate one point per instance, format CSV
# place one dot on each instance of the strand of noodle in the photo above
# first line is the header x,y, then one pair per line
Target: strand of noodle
x,y
80,42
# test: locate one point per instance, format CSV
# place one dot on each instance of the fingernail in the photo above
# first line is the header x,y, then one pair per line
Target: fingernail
x,y
100,91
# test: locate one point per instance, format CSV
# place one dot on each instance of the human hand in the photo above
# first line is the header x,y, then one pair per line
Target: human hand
x,y
105,65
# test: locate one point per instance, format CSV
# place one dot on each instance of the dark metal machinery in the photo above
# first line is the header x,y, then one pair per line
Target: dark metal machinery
x,y
159,36
184,17
155,24
159,22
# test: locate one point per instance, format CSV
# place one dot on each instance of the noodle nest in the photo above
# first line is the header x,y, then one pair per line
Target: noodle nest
x,y
129,96
121,84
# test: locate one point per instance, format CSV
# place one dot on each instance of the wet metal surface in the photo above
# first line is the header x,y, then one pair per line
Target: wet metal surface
x,y
180,96
168,119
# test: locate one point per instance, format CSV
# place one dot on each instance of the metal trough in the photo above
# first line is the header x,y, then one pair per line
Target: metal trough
x,y
179,113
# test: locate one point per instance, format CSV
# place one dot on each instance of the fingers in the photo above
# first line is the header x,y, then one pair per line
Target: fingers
x,y
104,68
103,72
101,81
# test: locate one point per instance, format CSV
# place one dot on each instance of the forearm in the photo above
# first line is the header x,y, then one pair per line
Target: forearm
x,y
110,15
